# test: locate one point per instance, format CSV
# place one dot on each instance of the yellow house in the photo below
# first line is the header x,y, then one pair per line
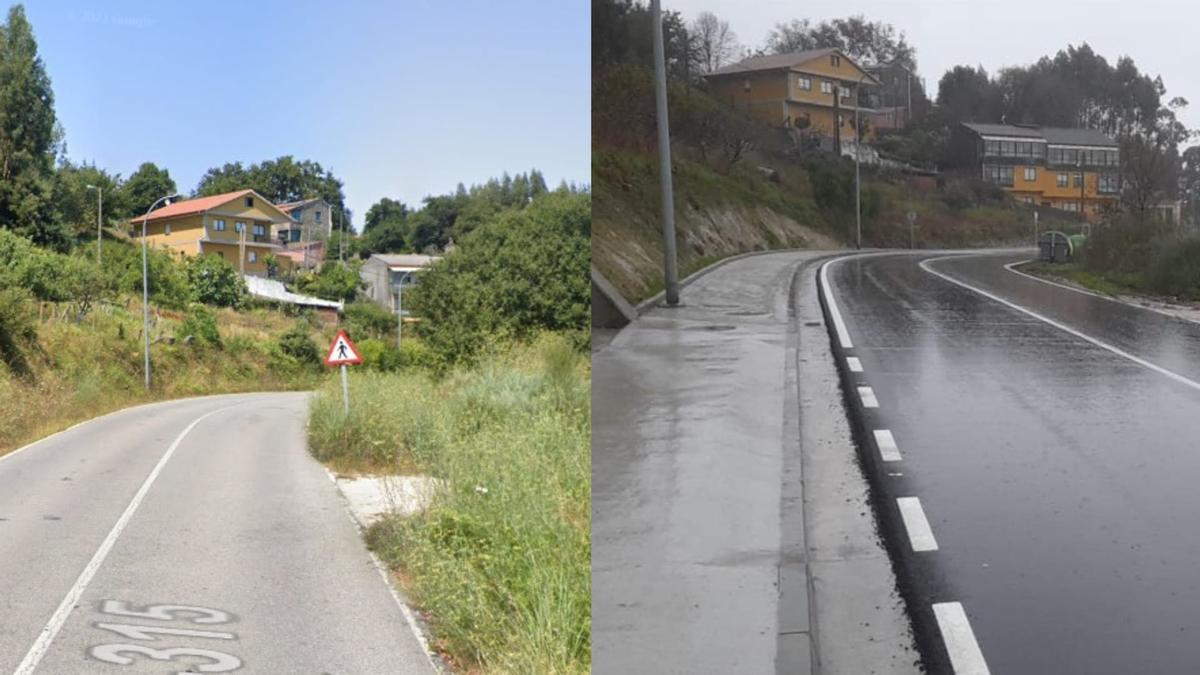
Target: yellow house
x,y
238,226
1063,168
814,90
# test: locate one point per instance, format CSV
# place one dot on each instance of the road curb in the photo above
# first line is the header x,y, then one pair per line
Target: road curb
x,y
917,598
655,300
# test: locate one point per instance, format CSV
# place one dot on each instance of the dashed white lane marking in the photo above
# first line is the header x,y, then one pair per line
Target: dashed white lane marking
x,y
1084,336
838,324
50,630
920,535
868,397
965,656
854,363
888,450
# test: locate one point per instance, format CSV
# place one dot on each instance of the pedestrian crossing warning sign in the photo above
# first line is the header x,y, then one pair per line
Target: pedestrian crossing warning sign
x,y
342,352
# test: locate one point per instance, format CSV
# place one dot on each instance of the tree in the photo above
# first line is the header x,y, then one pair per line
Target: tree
x,y
713,42
147,185
214,281
522,273
77,204
966,94
29,137
622,33
385,210
284,179
867,42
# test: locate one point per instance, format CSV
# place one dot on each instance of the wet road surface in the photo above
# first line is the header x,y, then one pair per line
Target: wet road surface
x,y
1057,466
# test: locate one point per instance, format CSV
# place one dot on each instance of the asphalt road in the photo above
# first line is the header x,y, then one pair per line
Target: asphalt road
x,y
1056,465
195,533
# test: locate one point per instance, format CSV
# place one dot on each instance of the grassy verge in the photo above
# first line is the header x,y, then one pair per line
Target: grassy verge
x,y
79,369
1109,283
501,561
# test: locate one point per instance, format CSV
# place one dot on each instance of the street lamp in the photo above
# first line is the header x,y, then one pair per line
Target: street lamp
x,y
146,288
99,217
857,152
400,306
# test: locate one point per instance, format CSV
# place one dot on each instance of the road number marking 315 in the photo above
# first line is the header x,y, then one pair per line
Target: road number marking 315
x,y
120,653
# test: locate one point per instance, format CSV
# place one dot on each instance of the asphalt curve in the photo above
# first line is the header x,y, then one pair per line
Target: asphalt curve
x,y
1057,465
193,535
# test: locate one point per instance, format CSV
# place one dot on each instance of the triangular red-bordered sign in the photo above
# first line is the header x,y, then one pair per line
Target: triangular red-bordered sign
x,y
342,352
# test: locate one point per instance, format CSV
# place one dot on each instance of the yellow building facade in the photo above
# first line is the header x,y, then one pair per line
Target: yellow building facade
x,y
813,91
237,226
1062,168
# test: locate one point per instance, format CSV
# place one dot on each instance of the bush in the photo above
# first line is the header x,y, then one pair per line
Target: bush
x,y
214,281
1174,268
333,282
367,319
17,329
523,273
200,325
296,343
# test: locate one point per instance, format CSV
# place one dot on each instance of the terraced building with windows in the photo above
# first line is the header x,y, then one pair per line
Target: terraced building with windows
x,y
1069,169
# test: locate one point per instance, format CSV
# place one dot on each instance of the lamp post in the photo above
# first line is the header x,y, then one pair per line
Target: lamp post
x,y
99,217
670,263
146,288
400,306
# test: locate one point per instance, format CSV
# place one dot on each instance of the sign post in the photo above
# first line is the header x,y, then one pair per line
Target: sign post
x,y
343,353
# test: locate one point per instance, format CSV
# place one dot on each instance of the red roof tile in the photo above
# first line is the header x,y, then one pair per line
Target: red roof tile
x,y
190,206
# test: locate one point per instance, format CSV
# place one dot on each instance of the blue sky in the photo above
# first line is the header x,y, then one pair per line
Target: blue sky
x,y
400,99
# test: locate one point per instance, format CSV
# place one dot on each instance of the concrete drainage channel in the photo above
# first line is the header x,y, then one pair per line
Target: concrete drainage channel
x,y
940,625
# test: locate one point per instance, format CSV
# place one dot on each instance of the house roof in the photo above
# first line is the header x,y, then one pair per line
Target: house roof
x,y
1052,135
784,62
188,207
288,207
405,259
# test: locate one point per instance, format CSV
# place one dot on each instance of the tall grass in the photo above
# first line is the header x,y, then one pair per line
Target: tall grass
x,y
74,369
501,559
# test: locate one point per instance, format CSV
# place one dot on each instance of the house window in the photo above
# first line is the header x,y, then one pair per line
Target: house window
x,y
745,85
835,60
167,228
219,225
1108,183
294,235
1030,173
804,83
260,229
251,256
1078,180
317,216
1001,175
826,87
845,91
249,201
1062,180
239,226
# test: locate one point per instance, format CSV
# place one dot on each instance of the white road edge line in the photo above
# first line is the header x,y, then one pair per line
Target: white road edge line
x,y
1094,294
51,629
920,535
867,395
838,324
888,451
854,363
385,574
1099,343
965,656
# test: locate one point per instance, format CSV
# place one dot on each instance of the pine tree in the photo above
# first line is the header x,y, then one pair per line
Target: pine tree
x,y
29,137
537,184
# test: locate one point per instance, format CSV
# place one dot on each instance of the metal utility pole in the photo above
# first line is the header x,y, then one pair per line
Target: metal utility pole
x,y
857,152
99,218
400,307
341,238
146,289
670,264
1035,229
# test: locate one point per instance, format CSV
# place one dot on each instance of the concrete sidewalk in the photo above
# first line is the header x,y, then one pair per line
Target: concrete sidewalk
x,y
727,537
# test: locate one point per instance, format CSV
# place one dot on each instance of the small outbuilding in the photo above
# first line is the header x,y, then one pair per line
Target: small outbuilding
x,y
385,274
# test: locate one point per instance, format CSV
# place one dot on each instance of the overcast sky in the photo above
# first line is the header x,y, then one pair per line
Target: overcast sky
x,y
1159,35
